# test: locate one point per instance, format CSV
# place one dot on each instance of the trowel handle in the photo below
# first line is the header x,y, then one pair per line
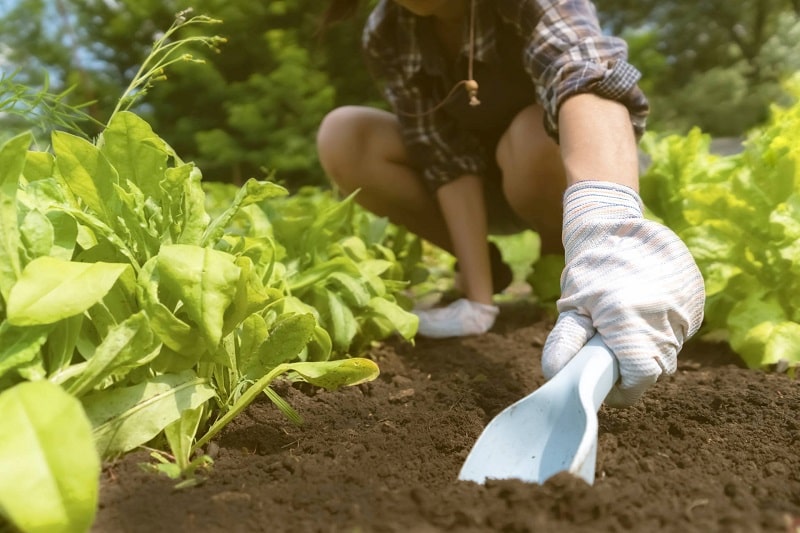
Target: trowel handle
x,y
597,370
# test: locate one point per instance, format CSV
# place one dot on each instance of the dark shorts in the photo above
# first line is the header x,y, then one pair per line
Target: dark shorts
x,y
501,219
504,89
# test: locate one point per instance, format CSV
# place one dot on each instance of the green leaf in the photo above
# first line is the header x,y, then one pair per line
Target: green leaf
x,y
376,267
320,272
45,229
140,221
337,318
284,406
180,436
61,343
139,155
205,281
127,417
253,191
38,235
400,320
718,276
173,332
94,231
287,337
714,240
319,348
782,345
50,467
251,295
184,201
20,345
327,222
65,235
88,174
355,248
121,301
328,374
39,166
372,271
45,194
545,280
12,162
51,289
331,375
752,322
785,220
351,289
169,361
128,344
713,201
252,333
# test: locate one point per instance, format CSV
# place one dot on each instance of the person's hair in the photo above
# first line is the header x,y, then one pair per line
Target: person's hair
x,y
338,10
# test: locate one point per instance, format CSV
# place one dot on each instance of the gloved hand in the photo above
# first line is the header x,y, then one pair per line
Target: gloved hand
x,y
459,319
631,279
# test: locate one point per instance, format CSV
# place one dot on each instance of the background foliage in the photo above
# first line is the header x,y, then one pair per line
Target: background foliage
x,y
712,64
248,110
255,106
739,215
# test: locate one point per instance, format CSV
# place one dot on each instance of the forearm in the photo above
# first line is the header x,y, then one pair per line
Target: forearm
x,y
598,141
462,205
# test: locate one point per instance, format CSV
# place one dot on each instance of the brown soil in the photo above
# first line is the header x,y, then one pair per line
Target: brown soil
x,y
715,447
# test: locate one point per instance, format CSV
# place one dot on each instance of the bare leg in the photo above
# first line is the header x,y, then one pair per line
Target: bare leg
x,y
534,179
361,148
464,211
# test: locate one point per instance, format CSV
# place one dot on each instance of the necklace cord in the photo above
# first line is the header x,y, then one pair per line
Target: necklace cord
x,y
469,84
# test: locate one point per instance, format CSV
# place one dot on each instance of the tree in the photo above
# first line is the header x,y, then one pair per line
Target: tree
x,y
716,62
250,108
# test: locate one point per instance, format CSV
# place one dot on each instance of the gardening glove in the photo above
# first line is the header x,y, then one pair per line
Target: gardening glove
x,y
459,319
630,279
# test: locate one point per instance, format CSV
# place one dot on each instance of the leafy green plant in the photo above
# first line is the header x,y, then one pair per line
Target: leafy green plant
x,y
740,217
120,290
187,472
167,51
111,287
50,467
349,266
40,109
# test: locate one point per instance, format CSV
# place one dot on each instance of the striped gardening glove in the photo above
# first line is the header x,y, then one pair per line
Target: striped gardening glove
x,y
630,279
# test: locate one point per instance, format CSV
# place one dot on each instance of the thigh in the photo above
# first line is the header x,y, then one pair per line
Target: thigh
x,y
533,176
362,149
529,159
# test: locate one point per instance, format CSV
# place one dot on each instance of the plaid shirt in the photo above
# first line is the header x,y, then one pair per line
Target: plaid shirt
x,y
564,53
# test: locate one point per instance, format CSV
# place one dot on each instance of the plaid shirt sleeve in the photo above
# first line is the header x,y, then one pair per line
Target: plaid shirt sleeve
x,y
566,54
438,149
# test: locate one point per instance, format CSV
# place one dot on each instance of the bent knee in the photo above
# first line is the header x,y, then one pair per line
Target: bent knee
x,y
335,136
349,138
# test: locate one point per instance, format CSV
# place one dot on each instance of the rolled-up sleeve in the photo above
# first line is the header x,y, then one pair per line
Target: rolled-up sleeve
x,y
437,147
566,53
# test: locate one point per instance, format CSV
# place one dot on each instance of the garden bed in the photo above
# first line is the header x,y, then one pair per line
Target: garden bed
x,y
712,448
